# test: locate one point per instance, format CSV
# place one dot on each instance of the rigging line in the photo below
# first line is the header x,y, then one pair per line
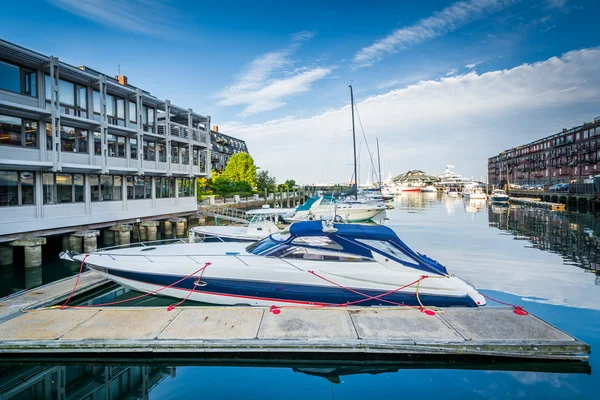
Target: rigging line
x,y
364,136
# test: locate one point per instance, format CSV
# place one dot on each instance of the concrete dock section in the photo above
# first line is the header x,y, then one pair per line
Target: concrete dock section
x,y
205,332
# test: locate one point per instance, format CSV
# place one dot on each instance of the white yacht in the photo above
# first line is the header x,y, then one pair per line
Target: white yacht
x,y
328,208
499,196
450,178
260,226
311,264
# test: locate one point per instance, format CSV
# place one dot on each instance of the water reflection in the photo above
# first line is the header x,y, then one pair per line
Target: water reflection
x,y
80,382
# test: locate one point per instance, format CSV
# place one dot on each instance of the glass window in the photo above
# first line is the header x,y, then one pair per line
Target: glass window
x,y
82,141
96,101
162,152
165,187
10,77
48,186
130,188
31,134
132,111
82,97
78,185
30,82
64,188
117,188
48,87
174,154
185,155
27,188
149,150
66,92
139,187
121,146
106,183
133,148
110,105
95,187
48,136
195,156
148,187
67,139
171,187
9,190
120,108
111,142
97,144
10,130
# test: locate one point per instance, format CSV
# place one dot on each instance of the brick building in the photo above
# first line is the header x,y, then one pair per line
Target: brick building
x,y
568,156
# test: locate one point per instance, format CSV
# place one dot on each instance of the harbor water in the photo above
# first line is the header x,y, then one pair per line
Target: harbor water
x,y
547,262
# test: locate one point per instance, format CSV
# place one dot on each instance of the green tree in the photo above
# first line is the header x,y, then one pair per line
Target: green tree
x,y
265,181
241,168
290,183
222,186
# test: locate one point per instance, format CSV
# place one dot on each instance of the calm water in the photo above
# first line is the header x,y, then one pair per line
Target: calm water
x,y
547,262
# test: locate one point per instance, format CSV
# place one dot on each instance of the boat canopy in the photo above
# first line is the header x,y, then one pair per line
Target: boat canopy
x,y
352,239
312,200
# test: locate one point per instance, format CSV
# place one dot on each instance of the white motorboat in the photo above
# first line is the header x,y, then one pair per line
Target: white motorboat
x,y
452,192
310,264
499,196
476,193
260,226
429,189
327,208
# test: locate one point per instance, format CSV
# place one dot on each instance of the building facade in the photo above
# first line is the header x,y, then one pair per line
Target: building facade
x,y
223,147
78,147
572,155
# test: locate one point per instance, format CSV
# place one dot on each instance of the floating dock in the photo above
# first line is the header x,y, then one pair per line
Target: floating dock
x,y
240,333
535,202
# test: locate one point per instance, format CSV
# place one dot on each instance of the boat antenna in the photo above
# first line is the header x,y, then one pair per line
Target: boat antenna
x,y
378,162
354,143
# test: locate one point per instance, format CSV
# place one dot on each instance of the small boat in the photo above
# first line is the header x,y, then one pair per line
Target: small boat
x,y
409,189
259,227
429,189
311,263
328,208
476,193
452,192
499,196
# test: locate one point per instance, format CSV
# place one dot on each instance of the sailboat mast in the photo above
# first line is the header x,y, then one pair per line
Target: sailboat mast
x,y
354,143
378,162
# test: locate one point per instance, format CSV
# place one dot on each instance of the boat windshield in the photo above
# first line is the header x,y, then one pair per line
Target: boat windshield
x,y
270,241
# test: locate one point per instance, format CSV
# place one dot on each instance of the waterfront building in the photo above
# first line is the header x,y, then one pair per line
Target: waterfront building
x,y
572,155
415,178
78,147
222,147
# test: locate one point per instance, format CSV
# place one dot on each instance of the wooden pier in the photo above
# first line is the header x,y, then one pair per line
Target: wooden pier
x,y
536,202
30,332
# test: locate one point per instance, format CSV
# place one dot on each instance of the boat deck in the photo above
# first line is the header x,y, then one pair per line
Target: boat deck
x,y
245,332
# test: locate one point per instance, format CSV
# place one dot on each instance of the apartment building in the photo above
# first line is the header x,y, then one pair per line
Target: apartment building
x,y
223,147
78,147
571,155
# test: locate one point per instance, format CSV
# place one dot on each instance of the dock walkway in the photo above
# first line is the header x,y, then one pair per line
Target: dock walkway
x,y
536,202
243,332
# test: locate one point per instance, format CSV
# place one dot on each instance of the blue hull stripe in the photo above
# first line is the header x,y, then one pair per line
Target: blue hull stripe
x,y
288,292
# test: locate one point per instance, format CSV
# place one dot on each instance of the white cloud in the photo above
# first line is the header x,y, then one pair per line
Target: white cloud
x,y
472,65
270,78
440,23
460,120
451,72
143,16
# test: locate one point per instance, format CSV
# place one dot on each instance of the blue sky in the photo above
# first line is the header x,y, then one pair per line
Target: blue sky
x,y
438,82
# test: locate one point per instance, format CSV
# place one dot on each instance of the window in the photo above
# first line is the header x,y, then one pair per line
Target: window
x,y
132,114
17,79
15,131
97,144
185,155
62,188
139,187
149,150
72,98
9,188
48,136
133,148
115,145
73,140
129,182
165,187
106,187
195,156
148,119
185,186
174,154
115,110
96,104
162,152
